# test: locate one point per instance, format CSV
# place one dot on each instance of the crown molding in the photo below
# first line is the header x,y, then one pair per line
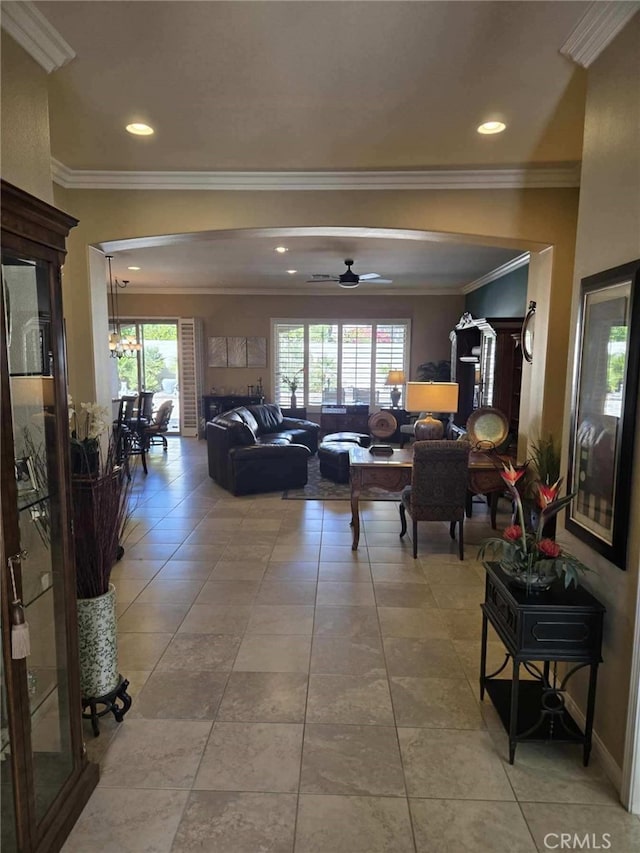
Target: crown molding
x,y
498,272
434,179
597,28
33,32
173,289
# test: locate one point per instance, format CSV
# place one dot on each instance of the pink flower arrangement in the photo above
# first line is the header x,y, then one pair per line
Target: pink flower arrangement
x,y
530,558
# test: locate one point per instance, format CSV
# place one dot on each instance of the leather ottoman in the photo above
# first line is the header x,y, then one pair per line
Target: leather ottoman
x,y
334,460
351,437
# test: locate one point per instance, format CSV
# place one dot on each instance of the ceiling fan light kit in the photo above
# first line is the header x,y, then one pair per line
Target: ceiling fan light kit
x,y
349,279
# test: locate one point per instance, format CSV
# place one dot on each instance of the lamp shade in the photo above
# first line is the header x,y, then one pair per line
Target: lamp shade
x,y
431,397
395,377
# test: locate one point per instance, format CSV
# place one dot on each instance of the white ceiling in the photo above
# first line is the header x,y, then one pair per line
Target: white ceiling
x,y
313,86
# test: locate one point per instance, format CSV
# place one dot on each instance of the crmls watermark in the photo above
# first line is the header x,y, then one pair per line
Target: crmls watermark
x,y
577,841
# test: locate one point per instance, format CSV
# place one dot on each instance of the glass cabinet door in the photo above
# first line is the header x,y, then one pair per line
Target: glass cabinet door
x,y
31,367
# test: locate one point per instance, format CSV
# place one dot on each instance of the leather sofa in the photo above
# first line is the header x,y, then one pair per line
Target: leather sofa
x,y
255,449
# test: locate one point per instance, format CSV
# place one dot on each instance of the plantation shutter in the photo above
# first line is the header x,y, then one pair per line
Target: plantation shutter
x,y
390,354
356,363
323,364
191,374
289,361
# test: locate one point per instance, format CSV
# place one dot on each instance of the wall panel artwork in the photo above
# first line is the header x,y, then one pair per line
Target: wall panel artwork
x,y
256,352
217,352
236,352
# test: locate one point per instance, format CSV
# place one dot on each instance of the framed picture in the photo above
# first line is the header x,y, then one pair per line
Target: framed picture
x,y
217,352
236,352
256,352
607,364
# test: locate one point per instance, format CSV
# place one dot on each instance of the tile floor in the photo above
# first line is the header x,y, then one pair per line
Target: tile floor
x,y
291,695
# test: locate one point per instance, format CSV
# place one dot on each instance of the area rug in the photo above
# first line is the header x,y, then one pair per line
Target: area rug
x,y
320,489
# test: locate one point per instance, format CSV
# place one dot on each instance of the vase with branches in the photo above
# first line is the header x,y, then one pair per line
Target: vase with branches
x,y
292,384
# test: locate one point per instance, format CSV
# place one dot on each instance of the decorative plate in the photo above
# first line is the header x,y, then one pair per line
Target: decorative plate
x,y
487,426
382,424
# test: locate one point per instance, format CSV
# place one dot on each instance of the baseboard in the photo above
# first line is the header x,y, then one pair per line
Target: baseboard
x,y
609,764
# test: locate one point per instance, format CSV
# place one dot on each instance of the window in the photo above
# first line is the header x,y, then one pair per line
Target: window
x,y
337,362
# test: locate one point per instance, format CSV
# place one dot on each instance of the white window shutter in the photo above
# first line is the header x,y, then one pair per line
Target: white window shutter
x,y
191,373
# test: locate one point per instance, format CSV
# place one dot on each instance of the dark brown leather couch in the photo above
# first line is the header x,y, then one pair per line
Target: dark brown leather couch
x,y
255,449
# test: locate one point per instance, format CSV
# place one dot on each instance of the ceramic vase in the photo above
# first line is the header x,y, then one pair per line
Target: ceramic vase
x,y
98,644
294,401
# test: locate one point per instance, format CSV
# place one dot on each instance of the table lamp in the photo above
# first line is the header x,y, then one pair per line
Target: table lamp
x,y
431,397
395,378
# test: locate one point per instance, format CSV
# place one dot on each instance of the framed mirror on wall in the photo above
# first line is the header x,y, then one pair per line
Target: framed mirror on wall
x,y
606,370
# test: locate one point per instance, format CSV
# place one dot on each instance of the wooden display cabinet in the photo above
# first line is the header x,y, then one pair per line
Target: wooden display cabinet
x,y
46,777
486,362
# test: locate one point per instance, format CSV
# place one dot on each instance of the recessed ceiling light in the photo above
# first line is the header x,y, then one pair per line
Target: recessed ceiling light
x,y
488,127
292,272
139,129
281,249
133,268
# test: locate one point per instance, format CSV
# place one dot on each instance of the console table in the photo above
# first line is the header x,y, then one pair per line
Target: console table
x,y
343,418
556,625
214,404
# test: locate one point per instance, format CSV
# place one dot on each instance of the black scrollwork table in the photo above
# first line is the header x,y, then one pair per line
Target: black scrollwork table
x,y
557,625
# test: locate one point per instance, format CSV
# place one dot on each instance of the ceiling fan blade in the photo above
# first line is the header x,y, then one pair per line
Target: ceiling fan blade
x,y
378,281
368,276
319,279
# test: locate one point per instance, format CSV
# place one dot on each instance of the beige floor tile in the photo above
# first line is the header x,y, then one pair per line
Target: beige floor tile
x,y
161,536
334,824
420,658
142,569
343,554
231,570
186,694
161,591
349,699
351,760
463,624
273,653
228,592
346,621
209,652
296,570
435,703
236,822
344,572
156,753
128,589
247,553
347,656
186,570
458,597
151,552
412,622
268,697
398,573
281,619
445,764
251,757
152,618
399,554
119,819
403,595
336,592
553,773
609,827
465,826
197,552
216,619
140,651
286,592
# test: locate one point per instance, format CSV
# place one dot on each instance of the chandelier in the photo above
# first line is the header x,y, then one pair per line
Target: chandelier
x,y
119,345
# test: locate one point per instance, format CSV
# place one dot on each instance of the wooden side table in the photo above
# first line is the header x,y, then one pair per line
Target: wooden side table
x,y
557,625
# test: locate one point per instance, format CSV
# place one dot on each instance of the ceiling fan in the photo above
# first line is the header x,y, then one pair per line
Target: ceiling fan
x,y
349,278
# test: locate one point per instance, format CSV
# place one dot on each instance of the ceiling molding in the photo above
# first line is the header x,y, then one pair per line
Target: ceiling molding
x,y
33,32
597,28
282,291
498,272
436,179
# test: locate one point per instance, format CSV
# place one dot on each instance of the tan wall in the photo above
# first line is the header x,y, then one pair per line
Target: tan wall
x,y
609,235
431,319
26,158
527,219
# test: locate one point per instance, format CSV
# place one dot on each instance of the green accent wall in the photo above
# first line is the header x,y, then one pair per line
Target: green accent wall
x,y
504,297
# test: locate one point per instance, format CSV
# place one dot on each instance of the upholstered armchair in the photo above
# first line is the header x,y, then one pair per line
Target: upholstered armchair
x,y
438,489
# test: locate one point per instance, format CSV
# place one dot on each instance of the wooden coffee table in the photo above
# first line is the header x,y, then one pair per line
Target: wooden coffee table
x,y
391,472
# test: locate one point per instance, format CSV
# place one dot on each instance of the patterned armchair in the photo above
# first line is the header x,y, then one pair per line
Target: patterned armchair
x,y
438,489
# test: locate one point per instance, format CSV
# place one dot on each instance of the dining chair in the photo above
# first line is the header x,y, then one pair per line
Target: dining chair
x,y
438,489
155,432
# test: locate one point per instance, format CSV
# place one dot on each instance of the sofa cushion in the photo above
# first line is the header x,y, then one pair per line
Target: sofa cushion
x,y
239,432
268,418
274,438
247,417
